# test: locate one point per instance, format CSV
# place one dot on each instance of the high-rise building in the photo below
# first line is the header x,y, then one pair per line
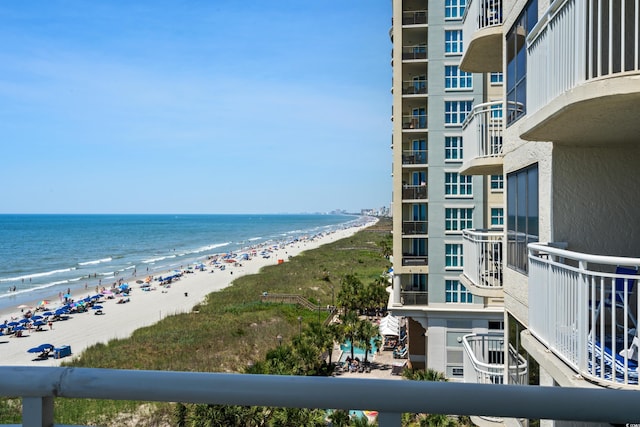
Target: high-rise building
x,y
567,261
433,202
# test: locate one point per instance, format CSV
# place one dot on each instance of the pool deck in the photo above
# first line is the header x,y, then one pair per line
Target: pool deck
x,y
381,366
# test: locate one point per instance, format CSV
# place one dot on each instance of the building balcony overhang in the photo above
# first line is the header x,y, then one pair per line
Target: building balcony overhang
x,y
483,262
482,134
483,166
484,52
598,112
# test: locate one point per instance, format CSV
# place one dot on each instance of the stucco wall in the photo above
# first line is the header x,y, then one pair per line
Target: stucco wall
x,y
596,199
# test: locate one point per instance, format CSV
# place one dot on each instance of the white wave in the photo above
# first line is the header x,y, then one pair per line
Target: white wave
x,y
131,267
154,260
32,276
97,261
209,247
254,238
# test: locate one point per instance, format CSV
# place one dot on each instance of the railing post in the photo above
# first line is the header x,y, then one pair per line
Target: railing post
x,y
37,411
389,419
583,324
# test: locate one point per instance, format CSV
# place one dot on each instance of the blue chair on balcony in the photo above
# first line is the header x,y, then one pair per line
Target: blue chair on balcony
x,y
616,366
616,299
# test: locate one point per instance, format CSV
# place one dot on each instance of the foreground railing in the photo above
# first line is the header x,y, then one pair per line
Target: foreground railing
x,y
482,131
38,386
584,309
579,40
483,257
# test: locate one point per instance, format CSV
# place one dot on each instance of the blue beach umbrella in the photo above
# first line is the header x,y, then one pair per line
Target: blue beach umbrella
x,y
96,297
19,328
24,320
13,323
48,313
96,307
40,348
36,318
2,326
39,323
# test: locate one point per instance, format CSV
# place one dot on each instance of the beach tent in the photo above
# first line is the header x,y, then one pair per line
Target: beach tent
x,y
389,325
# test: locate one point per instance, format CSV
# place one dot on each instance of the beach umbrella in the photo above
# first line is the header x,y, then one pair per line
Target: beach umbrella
x,y
39,323
48,313
19,328
44,302
98,296
36,317
40,348
2,326
96,307
22,306
24,320
13,323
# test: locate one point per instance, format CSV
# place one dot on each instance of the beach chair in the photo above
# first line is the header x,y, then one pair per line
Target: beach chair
x,y
603,363
621,290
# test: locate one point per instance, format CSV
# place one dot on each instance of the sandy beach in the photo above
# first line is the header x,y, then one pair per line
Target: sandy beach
x,y
144,308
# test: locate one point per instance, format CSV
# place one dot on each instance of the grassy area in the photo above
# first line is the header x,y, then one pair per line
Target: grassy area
x,y
232,328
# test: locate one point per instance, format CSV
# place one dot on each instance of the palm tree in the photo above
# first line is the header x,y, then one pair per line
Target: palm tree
x,y
322,337
339,418
349,294
350,327
366,331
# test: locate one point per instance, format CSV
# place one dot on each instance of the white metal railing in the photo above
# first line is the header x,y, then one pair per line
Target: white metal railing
x,y
38,386
484,354
478,15
580,40
482,251
415,157
584,308
482,131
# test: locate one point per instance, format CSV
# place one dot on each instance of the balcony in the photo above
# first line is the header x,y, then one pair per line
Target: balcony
x,y
414,121
583,74
408,297
414,87
584,309
415,227
415,157
410,260
484,360
414,52
415,17
38,388
482,270
414,192
482,36
482,136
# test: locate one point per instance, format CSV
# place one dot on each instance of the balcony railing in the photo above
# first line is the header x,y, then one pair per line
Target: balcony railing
x,y
580,40
415,157
584,309
417,260
482,131
418,121
414,297
412,52
38,386
484,355
414,87
415,227
414,17
478,15
483,257
414,192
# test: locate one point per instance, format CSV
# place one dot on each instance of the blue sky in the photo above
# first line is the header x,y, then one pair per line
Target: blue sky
x,y
214,106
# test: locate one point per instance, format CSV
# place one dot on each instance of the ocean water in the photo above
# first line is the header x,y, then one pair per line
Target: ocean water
x,y
42,255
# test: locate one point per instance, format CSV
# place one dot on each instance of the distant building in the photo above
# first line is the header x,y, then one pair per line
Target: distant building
x,y
433,201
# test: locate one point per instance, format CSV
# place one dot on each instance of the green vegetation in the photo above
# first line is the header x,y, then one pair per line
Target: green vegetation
x,y
233,330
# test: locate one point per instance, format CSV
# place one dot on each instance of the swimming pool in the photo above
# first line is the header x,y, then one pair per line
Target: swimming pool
x,y
357,351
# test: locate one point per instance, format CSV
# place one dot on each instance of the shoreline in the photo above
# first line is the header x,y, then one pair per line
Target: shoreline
x,y
145,308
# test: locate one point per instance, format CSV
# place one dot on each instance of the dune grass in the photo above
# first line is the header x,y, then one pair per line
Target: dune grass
x,y
231,329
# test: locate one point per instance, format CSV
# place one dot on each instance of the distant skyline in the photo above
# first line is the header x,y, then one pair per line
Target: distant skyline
x,y
194,107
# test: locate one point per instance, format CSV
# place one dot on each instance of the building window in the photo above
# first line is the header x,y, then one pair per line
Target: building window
x,y
453,148
522,215
455,78
496,78
453,255
457,185
419,282
497,217
457,219
453,41
454,9
455,292
456,111
497,183
517,61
